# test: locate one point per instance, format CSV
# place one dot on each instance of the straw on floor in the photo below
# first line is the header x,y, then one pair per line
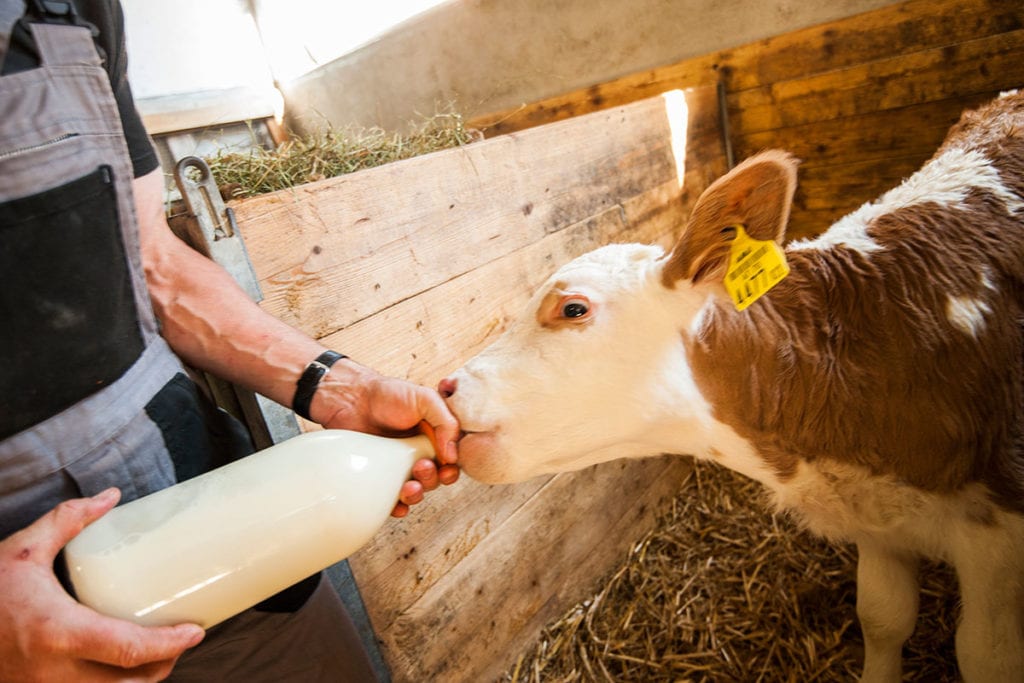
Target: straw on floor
x,y
725,590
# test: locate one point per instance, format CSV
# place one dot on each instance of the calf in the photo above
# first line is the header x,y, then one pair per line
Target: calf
x,y
876,389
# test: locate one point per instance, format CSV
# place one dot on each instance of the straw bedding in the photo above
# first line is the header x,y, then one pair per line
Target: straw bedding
x,y
306,159
724,590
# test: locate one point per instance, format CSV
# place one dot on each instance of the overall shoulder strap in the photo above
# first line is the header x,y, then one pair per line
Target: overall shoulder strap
x,y
58,33
10,12
65,45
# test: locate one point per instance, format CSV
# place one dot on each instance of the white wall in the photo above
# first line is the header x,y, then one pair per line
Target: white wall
x,y
189,46
481,55
492,55
301,35
197,63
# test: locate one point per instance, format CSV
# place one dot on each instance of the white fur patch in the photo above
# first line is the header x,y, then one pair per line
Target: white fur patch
x,y
967,313
733,451
946,181
849,231
986,280
988,178
697,324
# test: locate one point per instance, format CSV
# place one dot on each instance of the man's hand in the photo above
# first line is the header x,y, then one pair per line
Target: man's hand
x,y
45,635
427,475
354,397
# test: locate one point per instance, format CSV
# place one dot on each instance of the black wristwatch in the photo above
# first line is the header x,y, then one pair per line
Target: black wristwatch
x,y
310,380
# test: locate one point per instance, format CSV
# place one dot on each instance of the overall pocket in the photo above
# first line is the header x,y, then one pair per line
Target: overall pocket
x,y
71,325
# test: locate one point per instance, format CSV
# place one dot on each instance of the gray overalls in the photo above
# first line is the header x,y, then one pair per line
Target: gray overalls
x,y
81,358
70,263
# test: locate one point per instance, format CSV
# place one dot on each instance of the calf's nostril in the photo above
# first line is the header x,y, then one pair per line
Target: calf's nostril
x,y
447,387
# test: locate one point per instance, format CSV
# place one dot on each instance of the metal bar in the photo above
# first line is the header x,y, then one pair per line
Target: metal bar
x,y
723,115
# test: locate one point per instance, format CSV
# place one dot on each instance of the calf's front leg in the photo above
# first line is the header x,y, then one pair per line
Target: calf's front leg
x,y
887,602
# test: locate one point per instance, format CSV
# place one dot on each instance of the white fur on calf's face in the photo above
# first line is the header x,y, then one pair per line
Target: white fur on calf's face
x,y
558,392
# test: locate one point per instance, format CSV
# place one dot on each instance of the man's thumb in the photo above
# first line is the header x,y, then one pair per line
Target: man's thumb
x,y
52,531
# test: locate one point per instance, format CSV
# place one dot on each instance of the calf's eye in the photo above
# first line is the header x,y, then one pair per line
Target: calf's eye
x,y
575,308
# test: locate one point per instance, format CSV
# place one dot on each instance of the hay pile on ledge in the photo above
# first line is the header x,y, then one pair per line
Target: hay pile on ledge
x,y
723,590
336,152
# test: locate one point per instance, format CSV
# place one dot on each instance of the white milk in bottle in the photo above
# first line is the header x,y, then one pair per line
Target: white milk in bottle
x,y
208,548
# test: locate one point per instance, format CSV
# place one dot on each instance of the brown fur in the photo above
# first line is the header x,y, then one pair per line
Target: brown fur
x,y
852,357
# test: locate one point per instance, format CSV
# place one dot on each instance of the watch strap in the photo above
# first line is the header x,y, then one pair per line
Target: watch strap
x,y
310,381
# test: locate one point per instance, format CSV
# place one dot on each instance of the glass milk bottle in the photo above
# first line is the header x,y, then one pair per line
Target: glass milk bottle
x,y
205,549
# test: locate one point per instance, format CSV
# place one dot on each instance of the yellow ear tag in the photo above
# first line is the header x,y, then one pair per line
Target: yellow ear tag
x,y
755,266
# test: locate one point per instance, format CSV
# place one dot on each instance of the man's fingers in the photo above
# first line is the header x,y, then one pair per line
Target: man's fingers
x,y
448,474
451,451
425,472
411,492
51,532
445,426
127,645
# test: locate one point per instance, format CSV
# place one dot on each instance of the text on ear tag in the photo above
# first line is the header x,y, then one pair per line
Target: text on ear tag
x,y
755,266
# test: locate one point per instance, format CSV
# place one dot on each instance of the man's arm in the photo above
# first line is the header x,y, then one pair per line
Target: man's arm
x,y
213,325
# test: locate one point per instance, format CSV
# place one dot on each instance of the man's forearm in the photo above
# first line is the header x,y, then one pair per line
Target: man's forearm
x,y
214,326
206,317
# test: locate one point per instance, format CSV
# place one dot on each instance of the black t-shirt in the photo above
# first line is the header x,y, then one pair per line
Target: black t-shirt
x,y
107,16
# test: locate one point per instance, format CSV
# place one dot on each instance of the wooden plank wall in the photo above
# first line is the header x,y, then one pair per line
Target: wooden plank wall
x,y
415,266
862,101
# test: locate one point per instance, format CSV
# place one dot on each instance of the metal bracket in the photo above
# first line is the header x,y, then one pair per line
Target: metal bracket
x,y
218,235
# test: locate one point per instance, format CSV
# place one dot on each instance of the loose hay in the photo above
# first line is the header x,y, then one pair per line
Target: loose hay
x,y
335,152
723,590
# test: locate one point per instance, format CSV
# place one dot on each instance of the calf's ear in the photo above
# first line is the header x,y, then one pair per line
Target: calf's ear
x,y
757,194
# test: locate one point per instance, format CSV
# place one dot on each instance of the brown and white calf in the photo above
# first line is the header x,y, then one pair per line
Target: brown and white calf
x,y
877,391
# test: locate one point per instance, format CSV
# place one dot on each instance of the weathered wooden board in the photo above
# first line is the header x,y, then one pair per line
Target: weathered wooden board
x,y
846,97
936,74
413,267
334,252
206,109
506,591
914,131
852,42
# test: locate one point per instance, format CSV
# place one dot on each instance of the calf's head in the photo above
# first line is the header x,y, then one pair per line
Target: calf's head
x,y
595,367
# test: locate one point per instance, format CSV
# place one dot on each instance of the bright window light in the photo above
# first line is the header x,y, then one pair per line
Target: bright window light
x,y
300,35
678,117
